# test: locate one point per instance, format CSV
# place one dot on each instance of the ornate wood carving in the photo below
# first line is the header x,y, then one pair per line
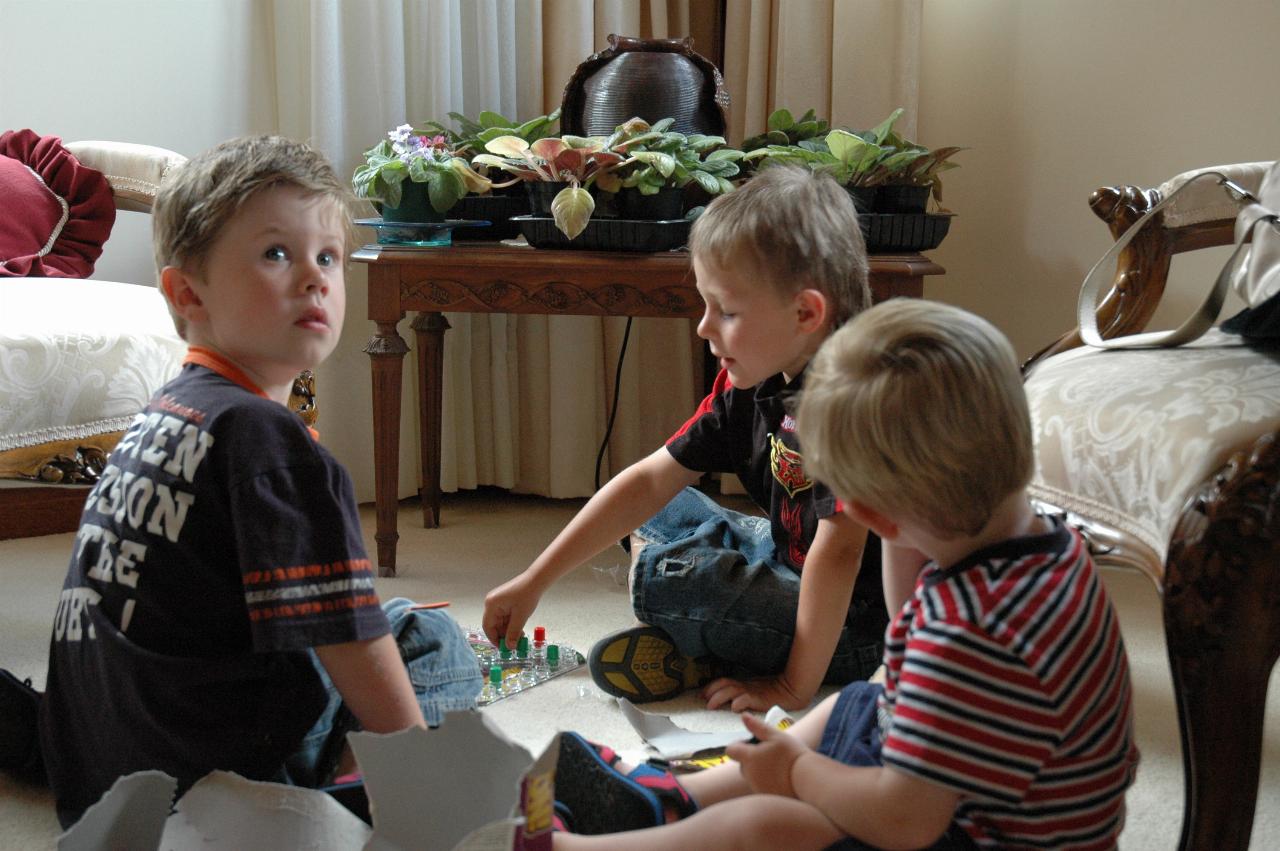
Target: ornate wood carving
x,y
1222,626
554,297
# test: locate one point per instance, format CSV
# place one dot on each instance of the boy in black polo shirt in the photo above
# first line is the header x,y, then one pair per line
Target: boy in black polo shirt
x,y
780,263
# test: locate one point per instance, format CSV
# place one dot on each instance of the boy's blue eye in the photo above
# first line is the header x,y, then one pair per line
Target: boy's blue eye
x,y
275,252
326,258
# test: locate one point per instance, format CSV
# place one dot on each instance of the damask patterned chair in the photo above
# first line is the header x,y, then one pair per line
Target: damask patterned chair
x,y
1169,459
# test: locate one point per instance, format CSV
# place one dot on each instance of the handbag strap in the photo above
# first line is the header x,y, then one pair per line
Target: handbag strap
x,y
1196,324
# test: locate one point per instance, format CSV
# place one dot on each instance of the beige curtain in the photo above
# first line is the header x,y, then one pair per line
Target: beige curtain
x,y
526,399
853,61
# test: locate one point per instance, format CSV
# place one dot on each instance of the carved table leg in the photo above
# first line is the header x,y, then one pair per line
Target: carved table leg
x,y
386,352
430,328
1222,625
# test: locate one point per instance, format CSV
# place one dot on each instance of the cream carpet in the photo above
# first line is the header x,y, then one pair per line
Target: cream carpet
x,y
489,536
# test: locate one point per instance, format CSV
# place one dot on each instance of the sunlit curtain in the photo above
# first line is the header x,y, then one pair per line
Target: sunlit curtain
x,y
852,61
526,398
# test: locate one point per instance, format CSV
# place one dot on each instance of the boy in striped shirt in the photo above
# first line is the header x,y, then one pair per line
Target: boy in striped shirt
x,y
1005,720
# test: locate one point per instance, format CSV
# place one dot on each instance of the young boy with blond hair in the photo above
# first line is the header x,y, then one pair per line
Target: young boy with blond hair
x,y
777,601
219,611
1005,720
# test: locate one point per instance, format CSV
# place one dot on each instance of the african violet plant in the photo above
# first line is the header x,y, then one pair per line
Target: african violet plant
x,y
409,154
636,155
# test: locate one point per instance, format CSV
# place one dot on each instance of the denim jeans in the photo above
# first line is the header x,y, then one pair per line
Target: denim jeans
x,y
442,668
852,736
710,577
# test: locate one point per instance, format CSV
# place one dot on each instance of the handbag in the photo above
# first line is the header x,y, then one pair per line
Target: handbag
x,y
1252,270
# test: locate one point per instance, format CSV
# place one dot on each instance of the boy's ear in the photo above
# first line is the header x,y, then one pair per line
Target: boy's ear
x,y
812,310
872,519
179,290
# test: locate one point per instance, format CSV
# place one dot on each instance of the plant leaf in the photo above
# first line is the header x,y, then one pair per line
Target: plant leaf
x,y
472,181
444,188
608,181
781,119
549,149
663,163
572,208
707,181
882,129
507,146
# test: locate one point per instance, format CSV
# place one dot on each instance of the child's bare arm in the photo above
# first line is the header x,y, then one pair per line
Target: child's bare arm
x,y
625,502
879,805
826,587
373,683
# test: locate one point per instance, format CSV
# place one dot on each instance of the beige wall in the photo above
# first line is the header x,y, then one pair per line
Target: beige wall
x,y
1055,98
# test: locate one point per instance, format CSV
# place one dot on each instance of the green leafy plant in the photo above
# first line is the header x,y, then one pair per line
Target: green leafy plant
x,y
784,129
912,164
658,157
579,161
472,134
407,154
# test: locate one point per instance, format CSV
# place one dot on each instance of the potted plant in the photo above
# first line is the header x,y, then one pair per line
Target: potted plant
x,y
415,177
661,163
496,204
910,173
859,161
782,128
558,171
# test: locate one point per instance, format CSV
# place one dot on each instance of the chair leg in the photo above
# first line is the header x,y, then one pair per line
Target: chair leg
x,y
1222,626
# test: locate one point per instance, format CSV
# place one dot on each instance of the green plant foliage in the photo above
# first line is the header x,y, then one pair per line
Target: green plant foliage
x,y
408,155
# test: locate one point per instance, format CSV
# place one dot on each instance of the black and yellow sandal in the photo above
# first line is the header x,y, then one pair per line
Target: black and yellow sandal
x,y
643,664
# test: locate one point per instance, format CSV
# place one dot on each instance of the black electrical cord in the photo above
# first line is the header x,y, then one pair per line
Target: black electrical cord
x,y
613,413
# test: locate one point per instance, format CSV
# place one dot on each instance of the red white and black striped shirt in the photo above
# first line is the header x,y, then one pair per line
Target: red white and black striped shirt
x,y
1007,681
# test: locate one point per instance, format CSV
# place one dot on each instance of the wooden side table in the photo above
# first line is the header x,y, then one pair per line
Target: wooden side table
x,y
495,278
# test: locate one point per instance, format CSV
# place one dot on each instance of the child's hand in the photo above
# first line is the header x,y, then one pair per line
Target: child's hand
x,y
760,695
767,766
507,608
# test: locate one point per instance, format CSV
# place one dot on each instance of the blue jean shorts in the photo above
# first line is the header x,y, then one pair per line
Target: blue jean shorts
x,y
442,668
852,736
711,578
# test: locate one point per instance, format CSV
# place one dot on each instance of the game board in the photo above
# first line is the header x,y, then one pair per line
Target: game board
x,y
531,663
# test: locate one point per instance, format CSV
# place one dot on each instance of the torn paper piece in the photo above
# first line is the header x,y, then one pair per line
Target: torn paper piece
x,y
225,812
532,823
673,742
130,814
442,783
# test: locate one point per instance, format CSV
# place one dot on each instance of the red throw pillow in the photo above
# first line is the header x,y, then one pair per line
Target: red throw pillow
x,y
55,213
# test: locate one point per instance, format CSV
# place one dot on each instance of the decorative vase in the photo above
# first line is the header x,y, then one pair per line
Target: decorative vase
x,y
901,198
414,206
649,78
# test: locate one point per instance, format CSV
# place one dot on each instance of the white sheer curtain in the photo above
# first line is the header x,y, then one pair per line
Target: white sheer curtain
x,y
525,398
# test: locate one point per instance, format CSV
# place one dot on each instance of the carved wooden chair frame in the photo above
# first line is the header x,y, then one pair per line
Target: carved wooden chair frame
x,y
1221,583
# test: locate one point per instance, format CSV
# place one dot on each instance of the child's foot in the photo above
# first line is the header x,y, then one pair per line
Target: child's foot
x,y
19,726
600,798
642,664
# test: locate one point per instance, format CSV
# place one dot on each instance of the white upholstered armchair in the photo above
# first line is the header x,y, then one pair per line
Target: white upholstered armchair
x,y
78,357
1169,460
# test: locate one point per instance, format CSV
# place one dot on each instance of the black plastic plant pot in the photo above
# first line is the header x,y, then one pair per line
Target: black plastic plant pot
x,y
864,197
542,193
415,206
495,209
901,198
665,205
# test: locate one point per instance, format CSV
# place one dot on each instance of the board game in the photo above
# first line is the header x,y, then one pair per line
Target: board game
x,y
531,663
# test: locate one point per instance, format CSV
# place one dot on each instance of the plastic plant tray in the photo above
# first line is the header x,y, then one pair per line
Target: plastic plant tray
x,y
603,234
418,234
903,231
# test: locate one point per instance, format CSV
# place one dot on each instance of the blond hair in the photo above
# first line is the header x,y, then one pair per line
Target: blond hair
x,y
916,410
198,198
792,229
